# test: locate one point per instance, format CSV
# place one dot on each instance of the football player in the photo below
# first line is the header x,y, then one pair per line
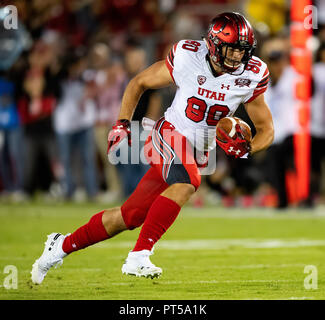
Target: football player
x,y
213,77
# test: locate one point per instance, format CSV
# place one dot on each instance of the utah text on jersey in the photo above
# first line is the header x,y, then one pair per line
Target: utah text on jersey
x,y
202,99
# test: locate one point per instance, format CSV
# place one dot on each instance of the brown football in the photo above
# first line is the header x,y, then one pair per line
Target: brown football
x,y
228,125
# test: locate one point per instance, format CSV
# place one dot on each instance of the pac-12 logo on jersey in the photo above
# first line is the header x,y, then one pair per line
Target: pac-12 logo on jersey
x,y
201,79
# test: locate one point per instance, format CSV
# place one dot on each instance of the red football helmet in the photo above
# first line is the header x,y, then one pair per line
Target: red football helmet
x,y
230,29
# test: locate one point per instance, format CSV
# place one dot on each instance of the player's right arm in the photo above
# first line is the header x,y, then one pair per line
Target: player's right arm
x,y
154,77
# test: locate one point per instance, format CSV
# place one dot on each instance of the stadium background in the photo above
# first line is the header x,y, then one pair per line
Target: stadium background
x,y
60,92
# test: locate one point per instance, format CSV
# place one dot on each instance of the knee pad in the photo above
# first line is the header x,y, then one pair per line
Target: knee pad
x,y
133,217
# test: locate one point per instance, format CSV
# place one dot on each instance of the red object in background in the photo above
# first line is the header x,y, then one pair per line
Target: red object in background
x,y
228,201
47,107
299,36
302,145
291,187
301,61
297,10
303,90
304,115
270,200
246,201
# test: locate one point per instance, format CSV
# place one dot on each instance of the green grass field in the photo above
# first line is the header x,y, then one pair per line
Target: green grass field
x,y
211,253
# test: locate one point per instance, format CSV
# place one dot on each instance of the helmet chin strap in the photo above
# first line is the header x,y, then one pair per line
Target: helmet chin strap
x,y
233,70
221,64
224,66
230,67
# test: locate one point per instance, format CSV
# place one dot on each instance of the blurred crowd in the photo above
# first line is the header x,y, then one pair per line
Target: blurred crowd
x,y
61,95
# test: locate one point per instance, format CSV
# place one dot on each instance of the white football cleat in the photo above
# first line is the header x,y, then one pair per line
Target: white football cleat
x,y
52,256
138,264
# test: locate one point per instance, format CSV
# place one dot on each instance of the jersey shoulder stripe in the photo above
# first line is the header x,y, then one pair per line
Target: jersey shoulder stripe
x,y
265,78
171,54
262,85
261,76
170,60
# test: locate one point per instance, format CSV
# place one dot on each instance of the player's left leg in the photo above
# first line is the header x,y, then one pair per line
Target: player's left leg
x,y
172,156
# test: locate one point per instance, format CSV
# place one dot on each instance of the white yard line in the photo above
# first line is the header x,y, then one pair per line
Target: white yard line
x,y
13,258
249,266
253,213
300,298
71,270
219,244
126,283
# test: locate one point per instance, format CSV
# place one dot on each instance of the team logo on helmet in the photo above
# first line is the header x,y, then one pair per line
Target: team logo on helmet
x,y
201,79
242,82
